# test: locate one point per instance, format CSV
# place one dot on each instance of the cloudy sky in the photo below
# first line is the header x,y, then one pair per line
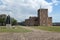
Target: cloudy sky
x,y
22,9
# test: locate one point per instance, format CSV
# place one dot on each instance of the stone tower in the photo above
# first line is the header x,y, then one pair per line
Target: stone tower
x,y
43,17
49,21
41,20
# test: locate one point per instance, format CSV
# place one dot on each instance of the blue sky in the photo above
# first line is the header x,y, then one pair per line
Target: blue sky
x,y
22,9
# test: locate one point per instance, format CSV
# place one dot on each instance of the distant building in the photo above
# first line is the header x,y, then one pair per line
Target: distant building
x,y
41,20
2,16
56,24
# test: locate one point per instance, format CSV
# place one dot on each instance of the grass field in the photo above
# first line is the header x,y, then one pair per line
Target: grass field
x,y
16,29
22,30
53,28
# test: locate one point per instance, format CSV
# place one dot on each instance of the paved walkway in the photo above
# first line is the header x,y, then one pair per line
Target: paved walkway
x,y
34,35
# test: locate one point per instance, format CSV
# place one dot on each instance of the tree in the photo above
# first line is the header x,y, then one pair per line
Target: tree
x,y
3,20
13,21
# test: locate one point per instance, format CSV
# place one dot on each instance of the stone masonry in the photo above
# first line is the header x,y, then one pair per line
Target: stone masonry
x,y
41,20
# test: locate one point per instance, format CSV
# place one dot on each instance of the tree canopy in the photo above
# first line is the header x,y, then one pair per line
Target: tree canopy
x,y
3,20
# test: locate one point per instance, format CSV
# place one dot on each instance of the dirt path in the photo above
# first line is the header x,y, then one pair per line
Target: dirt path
x,y
34,35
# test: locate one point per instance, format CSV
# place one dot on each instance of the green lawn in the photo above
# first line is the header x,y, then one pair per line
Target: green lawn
x,y
22,30
16,29
52,28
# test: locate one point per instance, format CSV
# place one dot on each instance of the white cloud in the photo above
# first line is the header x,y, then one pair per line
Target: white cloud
x,y
25,8
55,2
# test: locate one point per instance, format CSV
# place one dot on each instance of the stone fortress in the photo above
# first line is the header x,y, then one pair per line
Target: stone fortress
x,y
41,20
